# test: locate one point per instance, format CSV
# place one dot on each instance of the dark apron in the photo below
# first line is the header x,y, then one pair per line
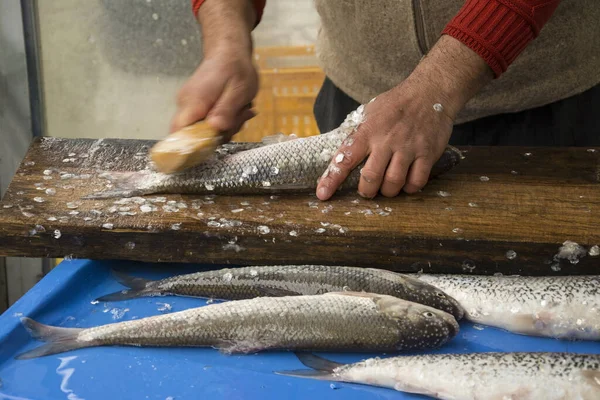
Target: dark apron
x,y
574,121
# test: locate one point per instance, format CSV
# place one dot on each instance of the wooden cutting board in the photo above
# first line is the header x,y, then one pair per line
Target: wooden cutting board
x,y
503,209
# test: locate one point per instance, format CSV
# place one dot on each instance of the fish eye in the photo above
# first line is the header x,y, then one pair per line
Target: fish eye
x,y
428,314
440,294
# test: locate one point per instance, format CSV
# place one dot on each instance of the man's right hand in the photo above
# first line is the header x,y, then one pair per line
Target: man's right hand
x,y
226,81
218,91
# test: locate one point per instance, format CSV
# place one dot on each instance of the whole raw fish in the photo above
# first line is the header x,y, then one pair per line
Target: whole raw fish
x,y
288,280
474,376
562,307
290,165
332,321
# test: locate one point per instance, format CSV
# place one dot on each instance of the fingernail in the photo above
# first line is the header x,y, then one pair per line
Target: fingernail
x,y
323,192
364,177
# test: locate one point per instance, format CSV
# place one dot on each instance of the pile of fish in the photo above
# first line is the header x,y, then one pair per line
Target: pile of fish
x,y
278,307
341,308
328,308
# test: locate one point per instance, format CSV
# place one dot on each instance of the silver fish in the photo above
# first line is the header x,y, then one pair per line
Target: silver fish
x,y
287,280
470,376
332,321
288,166
561,307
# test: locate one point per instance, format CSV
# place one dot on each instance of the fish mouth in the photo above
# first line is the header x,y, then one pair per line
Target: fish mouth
x,y
457,309
452,325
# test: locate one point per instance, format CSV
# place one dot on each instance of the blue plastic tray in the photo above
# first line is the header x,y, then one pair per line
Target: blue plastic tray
x,y
64,297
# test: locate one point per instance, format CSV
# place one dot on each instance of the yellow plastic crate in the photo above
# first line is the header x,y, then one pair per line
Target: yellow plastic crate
x,y
290,80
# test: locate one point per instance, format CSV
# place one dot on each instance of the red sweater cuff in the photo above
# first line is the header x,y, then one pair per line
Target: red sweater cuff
x,y
499,30
259,7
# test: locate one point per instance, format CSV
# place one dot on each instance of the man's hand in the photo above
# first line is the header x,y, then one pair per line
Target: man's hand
x,y
407,128
226,82
219,91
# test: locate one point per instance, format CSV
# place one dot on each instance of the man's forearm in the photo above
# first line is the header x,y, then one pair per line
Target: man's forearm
x,y
452,73
227,25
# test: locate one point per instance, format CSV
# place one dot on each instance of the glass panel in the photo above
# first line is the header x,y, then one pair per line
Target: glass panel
x,y
113,68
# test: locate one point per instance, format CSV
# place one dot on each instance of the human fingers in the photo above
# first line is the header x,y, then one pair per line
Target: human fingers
x,y
238,93
418,175
371,175
350,154
196,97
396,174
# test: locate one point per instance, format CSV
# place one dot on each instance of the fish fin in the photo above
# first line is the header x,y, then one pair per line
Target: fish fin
x,y
127,184
59,339
289,187
269,291
410,388
318,363
138,287
373,296
131,282
277,138
129,294
593,377
230,347
307,373
529,324
322,369
111,194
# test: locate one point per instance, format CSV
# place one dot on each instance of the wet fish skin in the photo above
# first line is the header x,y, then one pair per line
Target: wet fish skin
x,y
470,376
288,166
288,280
332,321
561,307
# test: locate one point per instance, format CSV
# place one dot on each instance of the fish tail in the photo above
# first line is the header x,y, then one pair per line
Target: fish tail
x,y
126,184
138,287
322,369
59,339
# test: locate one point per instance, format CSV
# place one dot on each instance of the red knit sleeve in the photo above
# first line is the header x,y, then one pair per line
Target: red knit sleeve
x,y
499,30
259,7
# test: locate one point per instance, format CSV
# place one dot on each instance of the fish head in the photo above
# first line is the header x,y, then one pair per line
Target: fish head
x,y
432,327
424,293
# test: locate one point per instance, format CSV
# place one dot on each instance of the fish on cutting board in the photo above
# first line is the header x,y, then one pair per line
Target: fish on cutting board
x,y
347,321
469,376
287,280
293,165
561,307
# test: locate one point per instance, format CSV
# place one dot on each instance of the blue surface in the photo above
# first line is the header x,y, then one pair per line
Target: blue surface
x,y
64,298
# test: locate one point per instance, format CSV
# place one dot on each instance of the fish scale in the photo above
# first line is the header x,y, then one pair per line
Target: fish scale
x,y
280,280
471,376
566,307
333,321
299,161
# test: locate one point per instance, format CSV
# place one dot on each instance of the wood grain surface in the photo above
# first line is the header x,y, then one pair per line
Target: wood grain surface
x,y
503,209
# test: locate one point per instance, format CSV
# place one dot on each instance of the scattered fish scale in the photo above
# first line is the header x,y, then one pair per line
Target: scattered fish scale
x,y
562,307
250,282
470,376
299,164
333,321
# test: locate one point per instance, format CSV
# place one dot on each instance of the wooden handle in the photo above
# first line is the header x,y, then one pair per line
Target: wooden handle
x,y
185,148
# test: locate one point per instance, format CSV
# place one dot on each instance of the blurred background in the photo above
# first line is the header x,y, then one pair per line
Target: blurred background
x,y
111,69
